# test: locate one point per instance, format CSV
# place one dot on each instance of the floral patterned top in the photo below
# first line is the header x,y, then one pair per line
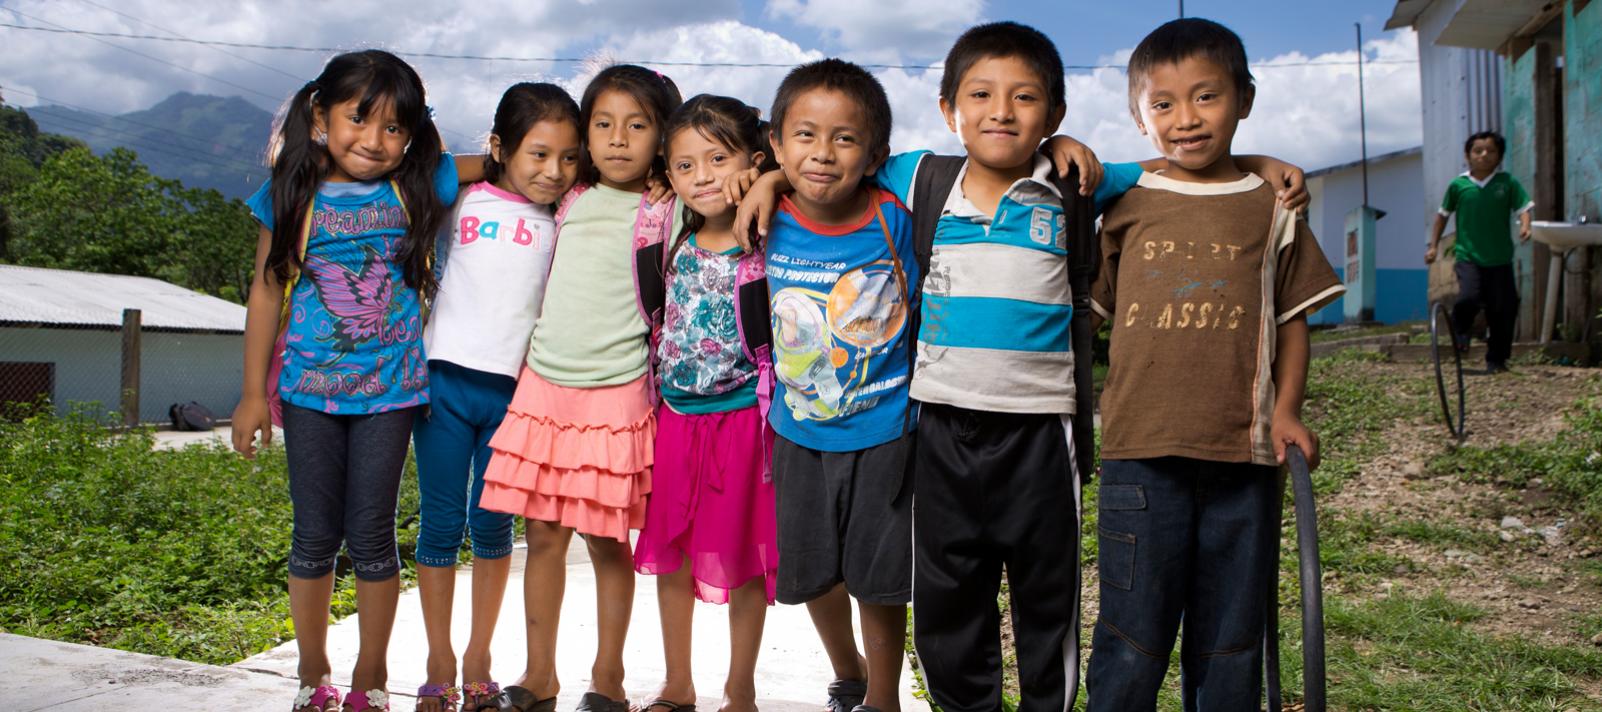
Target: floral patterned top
x,y
703,367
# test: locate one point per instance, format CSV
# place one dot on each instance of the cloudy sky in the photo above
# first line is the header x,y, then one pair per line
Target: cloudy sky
x,y
1306,109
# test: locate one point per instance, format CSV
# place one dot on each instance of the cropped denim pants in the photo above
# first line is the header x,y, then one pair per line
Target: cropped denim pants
x,y
344,479
1189,543
452,437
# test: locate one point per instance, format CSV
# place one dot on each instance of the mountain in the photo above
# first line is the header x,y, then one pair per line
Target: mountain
x,y
204,141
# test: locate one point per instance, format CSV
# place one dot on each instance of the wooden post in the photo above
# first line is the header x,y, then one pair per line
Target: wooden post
x,y
130,367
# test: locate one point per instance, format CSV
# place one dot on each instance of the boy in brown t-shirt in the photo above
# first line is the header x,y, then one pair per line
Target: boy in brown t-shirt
x,y
1207,282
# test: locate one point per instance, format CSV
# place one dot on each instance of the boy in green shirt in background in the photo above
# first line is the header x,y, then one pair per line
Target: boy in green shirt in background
x,y
1484,199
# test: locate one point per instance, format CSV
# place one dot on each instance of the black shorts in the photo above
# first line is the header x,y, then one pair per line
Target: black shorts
x,y
844,517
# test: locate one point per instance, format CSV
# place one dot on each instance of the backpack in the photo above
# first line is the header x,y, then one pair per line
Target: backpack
x,y
932,185
191,416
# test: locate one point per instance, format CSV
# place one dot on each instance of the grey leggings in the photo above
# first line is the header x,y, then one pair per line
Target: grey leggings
x,y
344,478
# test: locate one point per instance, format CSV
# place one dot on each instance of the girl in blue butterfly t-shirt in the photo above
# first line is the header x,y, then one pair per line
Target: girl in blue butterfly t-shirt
x,y
334,330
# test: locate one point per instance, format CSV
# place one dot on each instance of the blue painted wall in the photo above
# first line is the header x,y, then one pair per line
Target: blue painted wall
x,y
1402,297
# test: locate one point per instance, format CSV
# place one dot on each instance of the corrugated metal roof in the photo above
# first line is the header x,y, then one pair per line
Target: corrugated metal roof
x,y
56,297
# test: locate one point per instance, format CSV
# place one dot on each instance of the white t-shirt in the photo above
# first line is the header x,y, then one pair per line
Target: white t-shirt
x,y
497,259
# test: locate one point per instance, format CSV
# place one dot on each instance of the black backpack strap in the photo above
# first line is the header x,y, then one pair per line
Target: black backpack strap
x,y
1084,259
931,186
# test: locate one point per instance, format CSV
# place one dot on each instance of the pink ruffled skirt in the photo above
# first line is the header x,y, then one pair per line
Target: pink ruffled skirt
x,y
578,457
711,506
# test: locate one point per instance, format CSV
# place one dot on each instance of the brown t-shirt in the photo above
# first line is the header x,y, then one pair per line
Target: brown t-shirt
x,y
1195,278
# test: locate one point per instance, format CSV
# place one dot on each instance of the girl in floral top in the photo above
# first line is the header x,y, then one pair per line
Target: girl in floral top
x,y
709,530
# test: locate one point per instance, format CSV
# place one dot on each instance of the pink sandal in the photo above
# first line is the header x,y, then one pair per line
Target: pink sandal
x,y
359,700
477,692
316,698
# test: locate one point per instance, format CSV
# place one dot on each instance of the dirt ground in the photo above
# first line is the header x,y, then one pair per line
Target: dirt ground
x,y
1527,583
1534,582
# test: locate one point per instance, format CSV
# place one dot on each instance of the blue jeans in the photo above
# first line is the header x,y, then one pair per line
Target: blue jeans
x,y
452,437
1189,542
344,479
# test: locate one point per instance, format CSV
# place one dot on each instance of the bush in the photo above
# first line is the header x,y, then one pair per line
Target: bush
x,y
173,553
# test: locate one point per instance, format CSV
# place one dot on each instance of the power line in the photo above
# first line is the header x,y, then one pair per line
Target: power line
x,y
96,37
180,35
142,144
578,60
208,156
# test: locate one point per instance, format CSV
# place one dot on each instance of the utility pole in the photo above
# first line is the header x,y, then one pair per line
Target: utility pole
x,y
1181,9
1362,110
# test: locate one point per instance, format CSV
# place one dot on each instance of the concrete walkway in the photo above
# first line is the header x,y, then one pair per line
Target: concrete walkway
x,y
792,670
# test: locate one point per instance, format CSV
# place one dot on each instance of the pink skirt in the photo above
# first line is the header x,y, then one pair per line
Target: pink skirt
x,y
578,457
711,506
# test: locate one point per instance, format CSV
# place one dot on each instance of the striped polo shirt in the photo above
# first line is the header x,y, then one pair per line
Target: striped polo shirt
x,y
996,301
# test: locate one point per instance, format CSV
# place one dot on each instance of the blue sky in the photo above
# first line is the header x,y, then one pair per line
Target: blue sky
x,y
1305,113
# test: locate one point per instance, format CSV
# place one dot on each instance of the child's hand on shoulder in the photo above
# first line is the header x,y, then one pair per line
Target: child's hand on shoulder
x,y
250,416
1286,430
758,200
657,189
1065,151
1288,181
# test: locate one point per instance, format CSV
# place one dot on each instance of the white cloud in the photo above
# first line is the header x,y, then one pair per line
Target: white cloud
x,y
883,29
1306,114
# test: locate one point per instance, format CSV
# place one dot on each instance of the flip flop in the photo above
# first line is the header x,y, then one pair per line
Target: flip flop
x,y
476,692
846,695
597,702
670,705
448,696
516,699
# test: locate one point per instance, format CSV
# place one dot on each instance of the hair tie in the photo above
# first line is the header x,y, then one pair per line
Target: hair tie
x,y
430,111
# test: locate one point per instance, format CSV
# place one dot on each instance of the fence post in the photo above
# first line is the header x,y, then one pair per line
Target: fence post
x,y
130,367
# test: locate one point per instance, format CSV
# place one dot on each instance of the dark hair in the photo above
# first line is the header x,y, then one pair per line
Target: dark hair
x,y
299,164
1179,40
652,90
727,121
1496,138
849,79
1005,40
522,106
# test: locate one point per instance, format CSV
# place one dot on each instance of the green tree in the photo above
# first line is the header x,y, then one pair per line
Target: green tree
x,y
109,214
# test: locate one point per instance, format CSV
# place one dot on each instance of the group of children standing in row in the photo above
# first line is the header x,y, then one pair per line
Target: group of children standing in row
x,y
767,408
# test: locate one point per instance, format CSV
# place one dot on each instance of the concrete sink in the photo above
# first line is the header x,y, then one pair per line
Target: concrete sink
x,y
1566,236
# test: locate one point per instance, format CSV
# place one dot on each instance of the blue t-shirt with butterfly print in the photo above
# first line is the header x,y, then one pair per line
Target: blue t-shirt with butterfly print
x,y
354,344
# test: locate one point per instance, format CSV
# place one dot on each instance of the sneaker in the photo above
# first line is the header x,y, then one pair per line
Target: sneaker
x,y
1496,367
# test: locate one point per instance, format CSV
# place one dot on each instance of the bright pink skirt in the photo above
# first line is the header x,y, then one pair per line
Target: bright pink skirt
x,y
578,457
711,505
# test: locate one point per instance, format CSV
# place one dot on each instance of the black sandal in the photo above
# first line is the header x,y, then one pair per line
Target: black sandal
x,y
670,705
846,695
516,699
597,702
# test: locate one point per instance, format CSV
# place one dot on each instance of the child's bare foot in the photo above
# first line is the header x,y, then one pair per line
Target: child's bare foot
x,y
738,700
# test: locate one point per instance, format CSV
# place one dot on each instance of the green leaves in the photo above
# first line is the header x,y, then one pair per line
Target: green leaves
x,y
66,208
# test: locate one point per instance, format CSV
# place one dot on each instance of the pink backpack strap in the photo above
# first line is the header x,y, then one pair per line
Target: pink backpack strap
x,y
566,203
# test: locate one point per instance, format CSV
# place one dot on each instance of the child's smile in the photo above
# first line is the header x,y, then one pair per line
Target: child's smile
x,y
1190,109
823,151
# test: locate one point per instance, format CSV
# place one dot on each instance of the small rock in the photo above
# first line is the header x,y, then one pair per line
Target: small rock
x,y
1596,639
1412,471
1455,554
1552,535
1401,569
1529,604
1512,522
1506,535
1537,482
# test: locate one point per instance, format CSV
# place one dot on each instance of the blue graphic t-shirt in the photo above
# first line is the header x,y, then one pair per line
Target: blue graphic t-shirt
x,y
355,340
840,302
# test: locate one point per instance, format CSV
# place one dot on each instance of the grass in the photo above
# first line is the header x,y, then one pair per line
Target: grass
x,y
172,553
1569,465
